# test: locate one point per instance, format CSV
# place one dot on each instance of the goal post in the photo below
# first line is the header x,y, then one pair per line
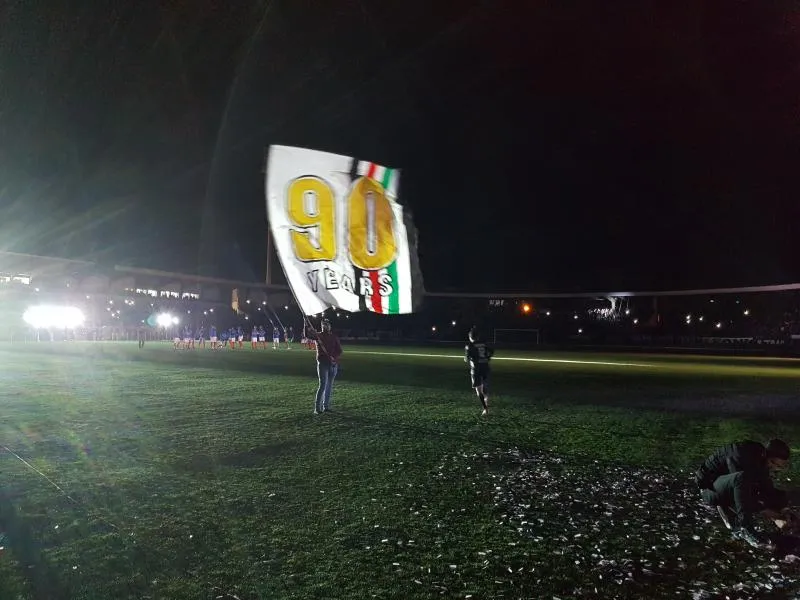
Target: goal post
x,y
526,337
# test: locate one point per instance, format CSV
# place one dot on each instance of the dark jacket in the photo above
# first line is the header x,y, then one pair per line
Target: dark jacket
x,y
748,457
328,347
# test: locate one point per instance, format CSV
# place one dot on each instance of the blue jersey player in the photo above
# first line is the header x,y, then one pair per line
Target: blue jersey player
x,y
212,336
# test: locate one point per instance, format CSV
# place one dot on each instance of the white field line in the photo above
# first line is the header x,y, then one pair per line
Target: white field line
x,y
514,358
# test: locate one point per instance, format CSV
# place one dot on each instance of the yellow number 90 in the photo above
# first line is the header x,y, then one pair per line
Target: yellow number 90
x,y
311,210
372,244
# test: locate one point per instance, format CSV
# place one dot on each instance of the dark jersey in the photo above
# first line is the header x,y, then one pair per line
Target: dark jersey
x,y
478,355
747,456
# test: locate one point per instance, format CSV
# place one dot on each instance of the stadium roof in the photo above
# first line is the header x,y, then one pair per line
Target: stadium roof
x,y
697,292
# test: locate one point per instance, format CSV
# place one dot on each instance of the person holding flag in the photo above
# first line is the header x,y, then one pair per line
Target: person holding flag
x,y
329,350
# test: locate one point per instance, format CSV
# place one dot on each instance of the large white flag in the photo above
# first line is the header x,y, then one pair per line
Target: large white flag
x,y
342,237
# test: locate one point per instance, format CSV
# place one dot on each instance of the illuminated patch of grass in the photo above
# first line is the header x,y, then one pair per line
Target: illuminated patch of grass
x,y
199,474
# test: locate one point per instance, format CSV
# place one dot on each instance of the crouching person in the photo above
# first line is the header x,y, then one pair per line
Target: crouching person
x,y
736,480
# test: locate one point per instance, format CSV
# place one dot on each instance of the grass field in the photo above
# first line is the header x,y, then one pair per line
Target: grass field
x,y
193,475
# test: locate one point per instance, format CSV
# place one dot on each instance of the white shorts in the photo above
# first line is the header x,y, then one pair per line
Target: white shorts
x,y
276,340
187,340
213,338
176,340
261,338
240,338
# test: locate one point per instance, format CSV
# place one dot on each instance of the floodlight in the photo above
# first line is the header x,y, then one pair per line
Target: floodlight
x,y
164,320
59,317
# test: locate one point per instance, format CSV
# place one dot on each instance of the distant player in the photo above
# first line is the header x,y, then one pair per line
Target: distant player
x,y
212,336
276,337
289,337
254,337
140,334
232,337
187,338
477,355
200,337
240,336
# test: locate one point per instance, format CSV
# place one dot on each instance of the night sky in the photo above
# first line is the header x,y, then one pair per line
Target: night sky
x,y
548,146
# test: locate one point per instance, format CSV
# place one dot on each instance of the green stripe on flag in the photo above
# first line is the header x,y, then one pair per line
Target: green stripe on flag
x,y
394,297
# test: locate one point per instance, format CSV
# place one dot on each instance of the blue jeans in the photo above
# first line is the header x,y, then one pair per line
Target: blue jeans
x,y
327,373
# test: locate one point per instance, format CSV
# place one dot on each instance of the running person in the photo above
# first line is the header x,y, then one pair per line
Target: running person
x,y
477,355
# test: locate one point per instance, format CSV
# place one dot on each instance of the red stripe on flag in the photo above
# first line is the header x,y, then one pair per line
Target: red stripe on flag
x,y
377,305
371,170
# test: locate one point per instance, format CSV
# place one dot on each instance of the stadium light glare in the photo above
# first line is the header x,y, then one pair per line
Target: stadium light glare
x,y
746,312
166,319
627,311
433,329
719,325
453,323
636,321
580,330
526,308
548,313
58,317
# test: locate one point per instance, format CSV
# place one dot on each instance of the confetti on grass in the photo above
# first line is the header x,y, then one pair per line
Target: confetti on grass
x,y
618,531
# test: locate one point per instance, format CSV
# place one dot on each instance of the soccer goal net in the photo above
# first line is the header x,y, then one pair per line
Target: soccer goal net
x,y
528,337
